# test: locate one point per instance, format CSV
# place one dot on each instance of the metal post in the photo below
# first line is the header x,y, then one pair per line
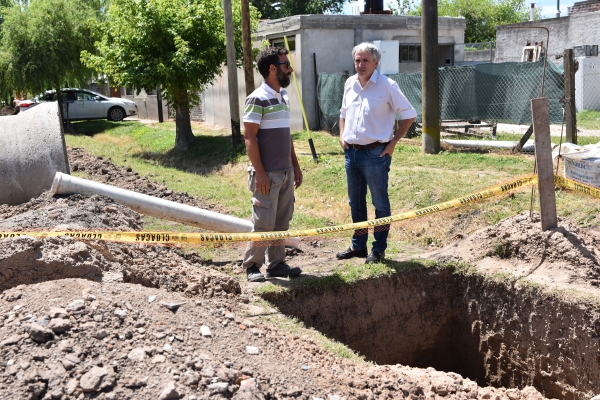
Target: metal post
x,y
234,102
159,104
317,109
570,110
430,77
247,47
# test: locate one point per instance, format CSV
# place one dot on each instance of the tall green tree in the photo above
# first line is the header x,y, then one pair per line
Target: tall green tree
x,y
482,16
5,85
42,43
178,45
272,9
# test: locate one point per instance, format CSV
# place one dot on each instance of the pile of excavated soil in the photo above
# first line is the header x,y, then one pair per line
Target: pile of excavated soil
x,y
7,110
31,260
74,212
90,319
105,171
566,255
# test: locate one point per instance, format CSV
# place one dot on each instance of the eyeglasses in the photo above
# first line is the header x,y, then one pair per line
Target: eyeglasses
x,y
286,63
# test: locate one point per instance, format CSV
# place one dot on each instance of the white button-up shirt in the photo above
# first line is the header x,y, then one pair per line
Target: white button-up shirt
x,y
369,112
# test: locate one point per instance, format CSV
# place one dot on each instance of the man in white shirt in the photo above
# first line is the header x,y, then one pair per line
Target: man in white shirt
x,y
369,107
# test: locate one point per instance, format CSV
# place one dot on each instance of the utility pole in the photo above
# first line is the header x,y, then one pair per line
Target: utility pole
x,y
430,77
247,46
232,82
570,110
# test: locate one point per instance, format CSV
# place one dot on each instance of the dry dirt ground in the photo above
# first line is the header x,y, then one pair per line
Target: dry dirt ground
x,y
92,319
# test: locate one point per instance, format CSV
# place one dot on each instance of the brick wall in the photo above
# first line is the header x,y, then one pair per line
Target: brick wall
x,y
584,7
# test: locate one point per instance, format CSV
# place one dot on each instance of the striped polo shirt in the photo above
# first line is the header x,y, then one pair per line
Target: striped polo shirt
x,y
271,110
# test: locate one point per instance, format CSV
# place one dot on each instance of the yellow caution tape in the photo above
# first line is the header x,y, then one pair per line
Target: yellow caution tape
x,y
199,238
576,186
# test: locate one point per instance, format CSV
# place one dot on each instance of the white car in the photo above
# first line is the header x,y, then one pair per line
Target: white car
x,y
82,104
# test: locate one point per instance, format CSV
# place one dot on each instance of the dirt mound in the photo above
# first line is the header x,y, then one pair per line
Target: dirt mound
x,y
27,260
518,246
7,110
32,260
105,171
73,212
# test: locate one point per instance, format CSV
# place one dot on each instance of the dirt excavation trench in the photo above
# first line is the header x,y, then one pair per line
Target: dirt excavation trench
x,y
494,332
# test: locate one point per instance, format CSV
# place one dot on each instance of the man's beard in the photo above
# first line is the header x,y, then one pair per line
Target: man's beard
x,y
283,78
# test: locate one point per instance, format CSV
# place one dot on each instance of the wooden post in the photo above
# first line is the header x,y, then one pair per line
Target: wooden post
x,y
570,110
232,82
247,47
430,77
543,156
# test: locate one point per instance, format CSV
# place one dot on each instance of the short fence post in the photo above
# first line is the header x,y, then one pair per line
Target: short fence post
x,y
543,156
570,110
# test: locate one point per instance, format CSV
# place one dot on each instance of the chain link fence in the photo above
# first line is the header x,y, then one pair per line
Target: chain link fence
x,y
495,93
490,92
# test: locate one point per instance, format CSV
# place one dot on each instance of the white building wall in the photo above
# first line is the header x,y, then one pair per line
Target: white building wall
x,y
331,38
565,33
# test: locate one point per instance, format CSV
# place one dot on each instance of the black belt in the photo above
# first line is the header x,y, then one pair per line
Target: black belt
x,y
367,146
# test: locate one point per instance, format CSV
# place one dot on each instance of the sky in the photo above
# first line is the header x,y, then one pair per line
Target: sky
x,y
548,7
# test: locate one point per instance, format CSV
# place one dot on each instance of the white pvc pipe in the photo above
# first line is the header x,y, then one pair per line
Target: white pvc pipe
x,y
497,144
159,208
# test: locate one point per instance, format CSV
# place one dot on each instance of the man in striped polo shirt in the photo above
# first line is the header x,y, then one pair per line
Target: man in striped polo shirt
x,y
275,171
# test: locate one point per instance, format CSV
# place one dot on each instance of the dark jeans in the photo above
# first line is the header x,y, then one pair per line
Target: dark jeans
x,y
365,168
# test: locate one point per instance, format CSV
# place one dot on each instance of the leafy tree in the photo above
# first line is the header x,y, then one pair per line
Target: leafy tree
x,y
405,7
272,9
5,86
176,44
482,16
42,43
99,6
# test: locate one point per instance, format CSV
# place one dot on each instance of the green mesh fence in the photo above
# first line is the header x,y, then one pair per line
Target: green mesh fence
x,y
492,92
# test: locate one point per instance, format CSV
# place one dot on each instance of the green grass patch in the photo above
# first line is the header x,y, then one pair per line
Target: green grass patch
x,y
588,119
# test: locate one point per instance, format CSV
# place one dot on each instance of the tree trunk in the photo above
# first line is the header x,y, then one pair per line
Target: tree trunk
x,y
183,129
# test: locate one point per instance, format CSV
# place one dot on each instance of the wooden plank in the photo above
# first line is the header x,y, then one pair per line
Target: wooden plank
x,y
543,157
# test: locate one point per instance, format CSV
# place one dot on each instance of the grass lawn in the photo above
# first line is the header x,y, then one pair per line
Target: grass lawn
x,y
216,172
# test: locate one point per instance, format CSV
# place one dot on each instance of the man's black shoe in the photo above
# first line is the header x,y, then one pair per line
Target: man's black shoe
x,y
282,270
375,257
349,253
253,274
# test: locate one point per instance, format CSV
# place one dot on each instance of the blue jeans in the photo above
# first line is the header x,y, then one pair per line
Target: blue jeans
x,y
365,168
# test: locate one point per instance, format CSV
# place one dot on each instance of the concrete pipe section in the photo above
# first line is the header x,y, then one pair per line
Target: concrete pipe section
x,y
159,208
32,151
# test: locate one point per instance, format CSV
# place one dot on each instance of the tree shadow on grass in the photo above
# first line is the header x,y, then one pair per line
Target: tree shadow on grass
x,y
207,154
93,127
